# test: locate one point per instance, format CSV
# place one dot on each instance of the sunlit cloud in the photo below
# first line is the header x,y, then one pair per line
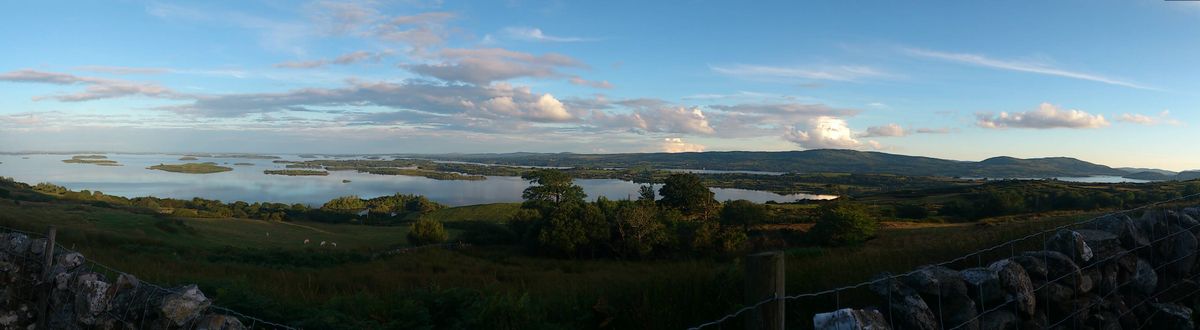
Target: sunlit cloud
x,y
1046,116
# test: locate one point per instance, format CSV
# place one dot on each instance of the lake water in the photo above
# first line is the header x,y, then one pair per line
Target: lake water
x,y
248,183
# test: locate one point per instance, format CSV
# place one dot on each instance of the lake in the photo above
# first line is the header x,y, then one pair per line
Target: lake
x,y
248,183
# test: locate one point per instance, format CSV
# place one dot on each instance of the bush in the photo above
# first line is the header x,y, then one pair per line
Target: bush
x,y
912,211
843,223
427,231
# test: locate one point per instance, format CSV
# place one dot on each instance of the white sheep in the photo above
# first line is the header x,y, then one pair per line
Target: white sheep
x,y
305,241
322,243
334,244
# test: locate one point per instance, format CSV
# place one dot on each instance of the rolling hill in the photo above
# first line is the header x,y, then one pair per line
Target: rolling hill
x,y
809,161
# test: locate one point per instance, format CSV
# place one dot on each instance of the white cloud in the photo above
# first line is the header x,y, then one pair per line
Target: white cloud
x,y
674,145
831,73
1021,66
1046,116
536,34
1140,119
824,132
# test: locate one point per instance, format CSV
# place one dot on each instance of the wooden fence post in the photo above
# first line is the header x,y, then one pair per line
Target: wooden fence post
x,y
765,280
44,302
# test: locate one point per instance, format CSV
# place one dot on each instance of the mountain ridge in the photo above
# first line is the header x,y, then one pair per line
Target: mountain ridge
x,y
809,161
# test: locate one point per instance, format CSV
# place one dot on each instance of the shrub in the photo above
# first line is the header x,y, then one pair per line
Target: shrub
x,y
843,223
427,231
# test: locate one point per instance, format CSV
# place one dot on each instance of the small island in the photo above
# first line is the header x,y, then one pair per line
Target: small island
x,y
188,158
243,164
192,168
296,172
100,160
436,175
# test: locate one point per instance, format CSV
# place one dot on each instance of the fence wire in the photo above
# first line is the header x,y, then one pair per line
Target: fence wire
x,y
1009,301
144,298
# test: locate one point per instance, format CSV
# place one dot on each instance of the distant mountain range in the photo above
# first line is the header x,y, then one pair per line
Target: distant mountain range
x,y
824,160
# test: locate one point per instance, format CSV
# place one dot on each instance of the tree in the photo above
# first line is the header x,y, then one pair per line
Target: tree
x,y
742,213
638,230
686,193
843,223
646,193
344,204
562,233
552,186
426,231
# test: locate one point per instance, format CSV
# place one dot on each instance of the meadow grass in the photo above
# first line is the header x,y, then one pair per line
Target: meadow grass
x,y
280,278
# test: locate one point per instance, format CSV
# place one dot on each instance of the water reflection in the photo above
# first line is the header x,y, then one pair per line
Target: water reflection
x,y
248,183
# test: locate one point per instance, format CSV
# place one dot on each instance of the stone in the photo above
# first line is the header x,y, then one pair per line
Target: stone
x,y
1181,252
842,319
68,261
946,293
1072,244
983,286
1130,235
91,298
18,243
1104,245
37,246
185,305
1016,285
908,310
1060,269
1145,280
1000,320
1171,317
226,322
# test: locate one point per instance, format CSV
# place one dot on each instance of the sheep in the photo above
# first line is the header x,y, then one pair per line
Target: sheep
x,y
334,244
305,241
322,243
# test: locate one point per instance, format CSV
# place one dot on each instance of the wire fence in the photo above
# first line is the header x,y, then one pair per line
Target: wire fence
x,y
137,308
1151,269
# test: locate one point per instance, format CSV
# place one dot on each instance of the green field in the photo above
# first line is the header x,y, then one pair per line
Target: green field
x,y
279,277
193,168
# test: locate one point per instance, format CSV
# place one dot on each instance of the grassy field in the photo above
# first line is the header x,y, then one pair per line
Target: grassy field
x,y
280,278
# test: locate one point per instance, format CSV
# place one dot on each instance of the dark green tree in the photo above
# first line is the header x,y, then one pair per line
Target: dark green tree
x,y
843,223
552,187
427,231
743,213
686,193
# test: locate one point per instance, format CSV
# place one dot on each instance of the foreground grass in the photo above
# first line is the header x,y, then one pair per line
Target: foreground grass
x,y
277,277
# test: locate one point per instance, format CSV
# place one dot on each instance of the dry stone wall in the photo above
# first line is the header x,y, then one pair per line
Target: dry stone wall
x,y
77,297
1114,272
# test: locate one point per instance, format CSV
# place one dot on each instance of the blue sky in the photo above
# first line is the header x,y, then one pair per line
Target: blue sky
x,y
1111,82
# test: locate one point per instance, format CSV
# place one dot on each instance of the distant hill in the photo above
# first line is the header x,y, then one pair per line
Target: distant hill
x,y
1187,175
808,161
1140,169
1150,176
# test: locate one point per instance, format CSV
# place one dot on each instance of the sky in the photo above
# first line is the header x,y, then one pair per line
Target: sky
x,y
1111,82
